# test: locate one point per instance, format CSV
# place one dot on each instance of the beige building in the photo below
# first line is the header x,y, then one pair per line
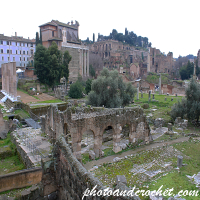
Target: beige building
x,y
67,38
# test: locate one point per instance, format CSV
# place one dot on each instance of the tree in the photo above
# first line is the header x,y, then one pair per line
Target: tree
x,y
92,71
37,40
110,90
76,90
88,86
96,63
40,37
51,64
189,106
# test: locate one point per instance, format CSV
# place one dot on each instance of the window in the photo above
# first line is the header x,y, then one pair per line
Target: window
x,y
16,43
20,59
16,51
13,58
20,52
2,58
31,44
1,41
23,52
8,58
27,52
10,51
7,50
7,42
31,52
27,59
24,59
22,44
1,50
52,33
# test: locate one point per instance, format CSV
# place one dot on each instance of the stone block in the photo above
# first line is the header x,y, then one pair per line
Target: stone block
x,y
121,179
91,155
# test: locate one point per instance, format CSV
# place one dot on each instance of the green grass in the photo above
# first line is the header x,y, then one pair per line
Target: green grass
x,y
163,107
169,177
51,101
12,162
22,113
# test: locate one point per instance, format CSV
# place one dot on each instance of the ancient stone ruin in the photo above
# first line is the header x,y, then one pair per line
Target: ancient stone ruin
x,y
73,123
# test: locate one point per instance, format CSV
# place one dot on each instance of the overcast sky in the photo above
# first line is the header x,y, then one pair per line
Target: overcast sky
x,y
170,25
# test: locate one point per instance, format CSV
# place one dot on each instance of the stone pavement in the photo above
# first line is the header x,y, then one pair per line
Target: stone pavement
x,y
109,159
32,145
25,98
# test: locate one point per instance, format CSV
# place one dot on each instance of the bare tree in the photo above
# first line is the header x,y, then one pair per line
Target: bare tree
x,y
96,62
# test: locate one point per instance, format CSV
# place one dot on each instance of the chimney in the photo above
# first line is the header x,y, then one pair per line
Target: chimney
x,y
15,34
72,22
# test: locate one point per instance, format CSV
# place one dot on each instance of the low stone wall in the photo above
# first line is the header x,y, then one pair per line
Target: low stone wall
x,y
72,179
26,160
20,179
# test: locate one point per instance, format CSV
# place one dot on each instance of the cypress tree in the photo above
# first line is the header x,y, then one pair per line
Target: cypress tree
x,y
40,37
37,40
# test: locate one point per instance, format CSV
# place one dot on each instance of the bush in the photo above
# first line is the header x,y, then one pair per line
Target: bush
x,y
189,106
76,90
110,90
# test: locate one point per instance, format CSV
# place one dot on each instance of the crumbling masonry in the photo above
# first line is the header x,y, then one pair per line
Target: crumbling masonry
x,y
75,122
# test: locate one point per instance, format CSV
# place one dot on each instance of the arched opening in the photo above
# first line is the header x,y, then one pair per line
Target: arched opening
x,y
107,143
87,146
124,142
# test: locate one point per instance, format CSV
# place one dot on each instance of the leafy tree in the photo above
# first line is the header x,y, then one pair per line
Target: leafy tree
x,y
76,90
51,64
37,40
92,71
189,106
110,90
88,86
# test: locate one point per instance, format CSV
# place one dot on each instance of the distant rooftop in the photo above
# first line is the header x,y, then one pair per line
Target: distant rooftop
x,y
58,23
16,38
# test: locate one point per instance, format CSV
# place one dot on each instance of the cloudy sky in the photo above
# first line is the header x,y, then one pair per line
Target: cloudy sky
x,y
170,25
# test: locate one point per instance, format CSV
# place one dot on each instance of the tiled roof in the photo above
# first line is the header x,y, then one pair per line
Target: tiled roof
x,y
57,23
48,23
15,38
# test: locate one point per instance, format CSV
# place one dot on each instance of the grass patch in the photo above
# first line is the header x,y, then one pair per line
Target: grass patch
x,y
22,113
12,162
51,101
169,177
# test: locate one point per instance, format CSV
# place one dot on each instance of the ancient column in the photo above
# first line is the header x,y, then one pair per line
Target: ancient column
x,y
80,60
141,94
7,79
149,95
3,77
160,92
14,81
137,91
88,63
85,63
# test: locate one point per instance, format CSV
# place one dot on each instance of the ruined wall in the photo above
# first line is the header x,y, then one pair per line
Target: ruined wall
x,y
20,179
4,126
77,121
160,63
70,178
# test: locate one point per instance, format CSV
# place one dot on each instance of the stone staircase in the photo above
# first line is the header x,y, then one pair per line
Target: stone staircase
x,y
1,96
9,104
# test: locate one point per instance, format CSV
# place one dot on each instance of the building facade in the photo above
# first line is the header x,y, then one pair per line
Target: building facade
x,y
16,49
66,37
116,55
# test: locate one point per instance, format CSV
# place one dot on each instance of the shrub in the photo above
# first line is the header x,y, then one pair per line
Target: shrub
x,y
76,90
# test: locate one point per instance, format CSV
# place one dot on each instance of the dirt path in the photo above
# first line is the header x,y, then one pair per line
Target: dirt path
x,y
27,98
108,159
